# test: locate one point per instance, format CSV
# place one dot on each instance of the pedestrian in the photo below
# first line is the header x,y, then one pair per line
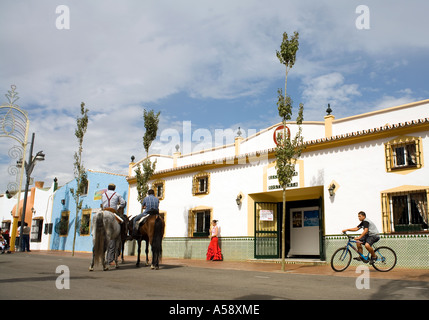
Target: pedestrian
x,y
2,242
6,238
213,252
25,245
17,236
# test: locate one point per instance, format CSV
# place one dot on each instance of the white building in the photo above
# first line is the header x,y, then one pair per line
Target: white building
x,y
38,213
372,162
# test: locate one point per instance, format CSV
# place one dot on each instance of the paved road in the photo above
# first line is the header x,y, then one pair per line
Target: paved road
x,y
35,276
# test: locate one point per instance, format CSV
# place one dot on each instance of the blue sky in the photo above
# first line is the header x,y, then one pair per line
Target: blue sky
x,y
212,63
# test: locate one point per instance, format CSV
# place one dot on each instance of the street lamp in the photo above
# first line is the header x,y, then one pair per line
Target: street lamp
x,y
40,156
331,189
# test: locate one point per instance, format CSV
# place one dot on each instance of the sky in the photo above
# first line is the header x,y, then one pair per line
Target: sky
x,y
210,65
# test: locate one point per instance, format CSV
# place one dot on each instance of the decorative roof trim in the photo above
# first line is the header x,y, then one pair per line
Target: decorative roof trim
x,y
322,143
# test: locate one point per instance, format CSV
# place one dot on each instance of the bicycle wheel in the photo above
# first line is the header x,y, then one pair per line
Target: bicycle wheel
x,y
341,259
386,259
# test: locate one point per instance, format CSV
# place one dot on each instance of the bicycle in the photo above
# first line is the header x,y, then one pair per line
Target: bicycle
x,y
342,257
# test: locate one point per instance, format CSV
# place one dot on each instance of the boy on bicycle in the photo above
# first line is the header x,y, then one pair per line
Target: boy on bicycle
x,y
368,237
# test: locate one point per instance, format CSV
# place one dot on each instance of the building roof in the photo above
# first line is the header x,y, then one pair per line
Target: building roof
x,y
224,156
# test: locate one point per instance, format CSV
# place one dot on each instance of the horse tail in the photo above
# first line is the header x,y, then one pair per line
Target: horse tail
x,y
158,234
99,241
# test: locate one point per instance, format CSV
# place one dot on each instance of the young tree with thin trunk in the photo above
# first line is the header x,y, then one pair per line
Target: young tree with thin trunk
x,y
288,150
79,170
151,121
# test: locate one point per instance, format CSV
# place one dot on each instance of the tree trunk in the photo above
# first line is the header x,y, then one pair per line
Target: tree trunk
x,y
284,202
284,230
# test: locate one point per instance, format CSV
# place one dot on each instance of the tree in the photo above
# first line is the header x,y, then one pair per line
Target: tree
x,y
79,170
288,150
151,121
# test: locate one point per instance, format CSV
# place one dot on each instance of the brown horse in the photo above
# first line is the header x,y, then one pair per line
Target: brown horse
x,y
124,235
152,231
126,228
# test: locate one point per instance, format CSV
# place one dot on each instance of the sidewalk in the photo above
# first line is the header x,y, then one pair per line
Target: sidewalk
x,y
297,267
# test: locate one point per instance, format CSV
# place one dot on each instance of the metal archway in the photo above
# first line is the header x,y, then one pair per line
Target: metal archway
x,y
14,123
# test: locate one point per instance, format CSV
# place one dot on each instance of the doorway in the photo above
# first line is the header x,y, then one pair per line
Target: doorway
x,y
304,232
267,226
303,229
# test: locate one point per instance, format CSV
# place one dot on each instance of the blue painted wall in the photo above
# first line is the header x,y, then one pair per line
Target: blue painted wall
x,y
97,182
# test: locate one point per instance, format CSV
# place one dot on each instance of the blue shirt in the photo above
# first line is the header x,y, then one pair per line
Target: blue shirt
x,y
151,202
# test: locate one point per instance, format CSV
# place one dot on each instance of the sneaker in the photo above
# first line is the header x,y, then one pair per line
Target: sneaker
x,y
372,260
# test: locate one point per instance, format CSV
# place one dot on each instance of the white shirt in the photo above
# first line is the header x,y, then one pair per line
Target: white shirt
x,y
111,199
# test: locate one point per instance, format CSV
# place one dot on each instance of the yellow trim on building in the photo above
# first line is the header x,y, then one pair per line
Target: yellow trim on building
x,y
328,125
384,132
381,111
402,141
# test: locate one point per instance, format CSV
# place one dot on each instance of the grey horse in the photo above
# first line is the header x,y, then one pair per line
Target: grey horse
x,y
105,228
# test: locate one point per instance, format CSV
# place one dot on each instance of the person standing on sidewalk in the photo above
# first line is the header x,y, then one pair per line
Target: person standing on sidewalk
x,y
25,245
213,252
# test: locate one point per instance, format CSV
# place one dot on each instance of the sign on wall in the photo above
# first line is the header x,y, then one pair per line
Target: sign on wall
x,y
98,193
278,133
273,181
266,215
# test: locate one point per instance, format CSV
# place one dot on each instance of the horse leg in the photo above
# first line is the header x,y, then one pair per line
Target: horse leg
x,y
139,246
147,253
117,245
91,267
156,242
105,266
153,265
155,261
122,250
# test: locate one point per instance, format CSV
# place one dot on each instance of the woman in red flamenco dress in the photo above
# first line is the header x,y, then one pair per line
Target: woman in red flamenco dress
x,y
213,252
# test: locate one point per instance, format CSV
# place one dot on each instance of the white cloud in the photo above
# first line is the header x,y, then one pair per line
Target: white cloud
x,y
330,88
401,97
121,57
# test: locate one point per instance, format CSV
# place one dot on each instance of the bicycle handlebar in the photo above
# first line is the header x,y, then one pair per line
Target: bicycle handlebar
x,y
351,237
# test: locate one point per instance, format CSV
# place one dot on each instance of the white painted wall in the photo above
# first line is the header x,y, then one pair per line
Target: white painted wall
x,y
380,118
43,202
359,169
361,174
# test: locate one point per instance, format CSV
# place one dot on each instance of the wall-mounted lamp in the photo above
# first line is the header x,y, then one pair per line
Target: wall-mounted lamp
x,y
63,201
331,189
238,200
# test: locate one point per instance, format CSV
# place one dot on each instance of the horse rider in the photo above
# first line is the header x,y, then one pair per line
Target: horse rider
x,y
112,201
150,205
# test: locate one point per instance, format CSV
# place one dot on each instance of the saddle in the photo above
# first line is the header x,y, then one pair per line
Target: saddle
x,y
142,220
150,212
118,218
